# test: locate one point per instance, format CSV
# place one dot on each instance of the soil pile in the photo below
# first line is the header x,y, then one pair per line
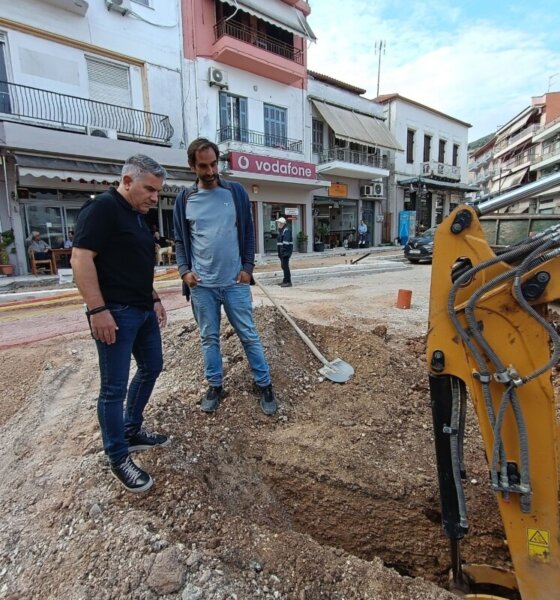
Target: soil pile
x,y
334,497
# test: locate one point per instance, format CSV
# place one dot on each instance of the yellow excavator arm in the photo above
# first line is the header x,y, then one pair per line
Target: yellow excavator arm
x,y
489,339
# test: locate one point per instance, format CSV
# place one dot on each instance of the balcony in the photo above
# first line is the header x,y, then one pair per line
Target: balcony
x,y
256,138
248,49
440,170
514,139
484,176
34,106
351,163
548,156
520,160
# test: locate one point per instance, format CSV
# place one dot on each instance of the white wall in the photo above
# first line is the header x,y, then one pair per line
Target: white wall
x,y
204,120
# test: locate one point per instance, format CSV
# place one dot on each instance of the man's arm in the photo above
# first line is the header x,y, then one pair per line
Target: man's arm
x,y
103,326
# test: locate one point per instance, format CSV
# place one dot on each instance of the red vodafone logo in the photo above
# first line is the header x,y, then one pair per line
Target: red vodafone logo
x,y
266,165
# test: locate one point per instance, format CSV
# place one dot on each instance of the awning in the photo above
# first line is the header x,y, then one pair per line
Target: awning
x,y
356,127
84,171
508,182
277,13
434,183
515,126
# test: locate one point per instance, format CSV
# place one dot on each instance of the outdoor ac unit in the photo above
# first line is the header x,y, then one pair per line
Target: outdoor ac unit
x,y
366,191
377,190
217,77
120,6
102,132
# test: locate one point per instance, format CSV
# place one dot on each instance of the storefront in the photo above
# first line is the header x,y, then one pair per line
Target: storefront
x,y
277,187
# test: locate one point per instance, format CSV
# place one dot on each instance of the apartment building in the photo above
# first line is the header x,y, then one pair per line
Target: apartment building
x,y
431,175
481,165
246,81
84,85
355,151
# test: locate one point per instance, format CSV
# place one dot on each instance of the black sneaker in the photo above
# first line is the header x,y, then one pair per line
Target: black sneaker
x,y
133,478
211,400
287,284
268,400
144,440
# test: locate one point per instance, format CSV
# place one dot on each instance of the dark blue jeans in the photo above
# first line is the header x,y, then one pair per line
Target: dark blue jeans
x,y
138,335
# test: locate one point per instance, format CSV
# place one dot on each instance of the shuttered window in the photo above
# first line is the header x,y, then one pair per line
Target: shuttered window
x,y
275,127
109,83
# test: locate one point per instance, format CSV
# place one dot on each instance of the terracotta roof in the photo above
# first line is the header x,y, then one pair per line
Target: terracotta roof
x,y
333,81
384,98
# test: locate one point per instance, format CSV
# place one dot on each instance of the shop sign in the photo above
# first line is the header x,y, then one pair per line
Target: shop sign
x,y
294,211
338,190
267,165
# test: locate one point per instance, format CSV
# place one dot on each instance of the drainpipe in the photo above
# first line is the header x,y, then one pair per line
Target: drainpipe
x,y
2,228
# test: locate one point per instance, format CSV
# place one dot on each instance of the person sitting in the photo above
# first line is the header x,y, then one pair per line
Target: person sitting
x,y
68,243
40,249
163,247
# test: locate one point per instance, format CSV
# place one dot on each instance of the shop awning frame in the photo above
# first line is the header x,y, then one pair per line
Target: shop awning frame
x,y
277,13
434,183
356,127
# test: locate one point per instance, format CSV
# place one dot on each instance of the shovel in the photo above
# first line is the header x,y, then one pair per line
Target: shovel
x,y
336,370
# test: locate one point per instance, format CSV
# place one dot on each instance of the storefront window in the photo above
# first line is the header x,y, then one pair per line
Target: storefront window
x,y
335,221
292,213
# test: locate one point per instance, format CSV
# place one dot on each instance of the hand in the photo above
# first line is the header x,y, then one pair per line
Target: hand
x,y
191,279
160,314
103,327
244,277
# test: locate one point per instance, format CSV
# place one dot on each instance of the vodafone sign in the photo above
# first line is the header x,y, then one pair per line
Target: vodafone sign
x,y
265,165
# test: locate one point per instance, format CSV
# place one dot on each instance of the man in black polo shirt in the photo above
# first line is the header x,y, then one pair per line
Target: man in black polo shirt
x,y
113,263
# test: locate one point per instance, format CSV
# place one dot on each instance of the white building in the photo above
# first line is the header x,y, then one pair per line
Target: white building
x,y
355,151
431,175
81,89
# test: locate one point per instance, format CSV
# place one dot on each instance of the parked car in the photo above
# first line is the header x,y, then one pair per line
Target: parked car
x,y
420,247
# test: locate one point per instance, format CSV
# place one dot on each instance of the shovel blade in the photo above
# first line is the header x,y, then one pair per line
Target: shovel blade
x,y
337,370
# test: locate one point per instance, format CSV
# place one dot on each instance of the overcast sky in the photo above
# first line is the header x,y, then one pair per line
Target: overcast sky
x,y
477,60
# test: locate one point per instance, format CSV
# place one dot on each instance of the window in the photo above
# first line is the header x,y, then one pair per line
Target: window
x,y
441,153
427,147
5,104
275,126
317,136
455,155
233,118
109,83
410,146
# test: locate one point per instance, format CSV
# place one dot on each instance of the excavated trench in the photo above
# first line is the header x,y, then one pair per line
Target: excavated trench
x,y
352,466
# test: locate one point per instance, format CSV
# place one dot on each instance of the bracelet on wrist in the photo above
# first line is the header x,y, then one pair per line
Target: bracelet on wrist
x,y
95,311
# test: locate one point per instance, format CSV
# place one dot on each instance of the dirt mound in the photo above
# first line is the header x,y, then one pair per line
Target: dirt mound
x,y
314,503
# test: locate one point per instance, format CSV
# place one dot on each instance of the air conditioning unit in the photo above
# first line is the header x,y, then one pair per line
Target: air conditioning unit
x,y
366,191
120,6
102,132
378,190
217,77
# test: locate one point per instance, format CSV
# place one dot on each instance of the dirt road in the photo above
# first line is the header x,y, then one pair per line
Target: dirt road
x,y
335,497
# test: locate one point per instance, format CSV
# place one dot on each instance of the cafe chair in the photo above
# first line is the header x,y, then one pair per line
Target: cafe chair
x,y
42,265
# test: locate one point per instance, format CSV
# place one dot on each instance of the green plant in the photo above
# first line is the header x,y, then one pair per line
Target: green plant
x,y
302,237
321,231
6,240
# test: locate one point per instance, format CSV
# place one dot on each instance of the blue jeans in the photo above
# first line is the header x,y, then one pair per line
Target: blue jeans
x,y
236,300
138,335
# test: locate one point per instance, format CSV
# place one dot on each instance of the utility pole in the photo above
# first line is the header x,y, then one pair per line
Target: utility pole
x,y
379,49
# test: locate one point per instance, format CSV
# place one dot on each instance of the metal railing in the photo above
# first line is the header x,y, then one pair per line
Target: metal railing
x,y
531,130
439,169
550,151
518,160
253,36
354,157
257,138
29,104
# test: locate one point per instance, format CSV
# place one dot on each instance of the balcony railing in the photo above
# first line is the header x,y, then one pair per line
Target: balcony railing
x,y
531,130
256,138
550,151
31,105
518,160
438,169
254,37
354,157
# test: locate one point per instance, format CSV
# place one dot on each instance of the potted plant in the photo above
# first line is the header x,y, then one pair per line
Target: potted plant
x,y
321,231
6,240
302,241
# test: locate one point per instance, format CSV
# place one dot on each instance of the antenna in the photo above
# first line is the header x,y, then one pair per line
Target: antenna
x,y
379,49
550,79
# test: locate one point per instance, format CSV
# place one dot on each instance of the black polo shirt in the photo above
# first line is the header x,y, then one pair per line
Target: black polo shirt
x,y
124,244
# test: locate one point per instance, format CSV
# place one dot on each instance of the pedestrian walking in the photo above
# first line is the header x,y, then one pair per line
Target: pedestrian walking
x,y
362,234
113,264
285,246
215,249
